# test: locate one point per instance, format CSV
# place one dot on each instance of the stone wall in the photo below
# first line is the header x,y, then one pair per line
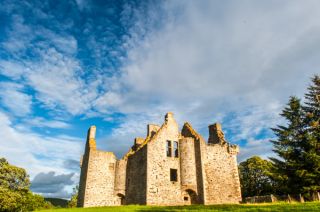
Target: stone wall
x,y
136,177
160,190
222,180
120,181
100,179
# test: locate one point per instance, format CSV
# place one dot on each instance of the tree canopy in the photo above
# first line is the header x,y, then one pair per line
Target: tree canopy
x,y
255,177
15,194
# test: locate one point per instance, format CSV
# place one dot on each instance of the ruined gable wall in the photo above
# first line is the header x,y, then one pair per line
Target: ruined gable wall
x,y
222,180
136,177
160,190
99,188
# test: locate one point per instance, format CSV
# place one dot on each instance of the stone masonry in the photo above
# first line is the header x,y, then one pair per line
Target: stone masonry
x,y
168,167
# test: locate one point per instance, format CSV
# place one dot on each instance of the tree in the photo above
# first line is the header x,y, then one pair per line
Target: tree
x,y
298,144
74,198
14,190
12,177
312,127
288,147
255,177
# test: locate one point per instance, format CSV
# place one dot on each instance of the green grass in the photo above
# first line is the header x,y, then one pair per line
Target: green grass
x,y
310,206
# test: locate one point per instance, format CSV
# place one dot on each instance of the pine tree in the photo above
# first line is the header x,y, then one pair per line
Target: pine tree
x,y
312,127
288,146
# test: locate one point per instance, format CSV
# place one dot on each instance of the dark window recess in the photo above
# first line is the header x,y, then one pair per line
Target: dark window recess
x,y
185,198
173,175
169,149
176,149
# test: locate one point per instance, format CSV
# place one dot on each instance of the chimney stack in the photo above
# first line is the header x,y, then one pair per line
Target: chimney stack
x,y
91,137
216,136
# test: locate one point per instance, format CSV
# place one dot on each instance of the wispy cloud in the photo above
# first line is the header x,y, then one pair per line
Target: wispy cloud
x,y
232,62
40,153
14,99
41,122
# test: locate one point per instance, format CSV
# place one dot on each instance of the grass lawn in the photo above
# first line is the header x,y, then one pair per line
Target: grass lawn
x,y
310,206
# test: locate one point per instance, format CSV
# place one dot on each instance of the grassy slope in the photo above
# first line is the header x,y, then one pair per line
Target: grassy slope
x,y
315,206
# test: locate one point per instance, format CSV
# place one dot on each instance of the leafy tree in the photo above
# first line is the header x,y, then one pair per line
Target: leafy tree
x,y
14,190
12,177
255,177
74,198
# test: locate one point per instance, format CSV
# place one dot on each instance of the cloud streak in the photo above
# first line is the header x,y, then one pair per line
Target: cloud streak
x,y
15,99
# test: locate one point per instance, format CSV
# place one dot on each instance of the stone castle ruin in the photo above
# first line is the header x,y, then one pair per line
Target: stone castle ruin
x,y
168,167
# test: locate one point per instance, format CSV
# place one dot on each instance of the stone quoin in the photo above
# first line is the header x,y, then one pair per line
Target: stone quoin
x,y
168,167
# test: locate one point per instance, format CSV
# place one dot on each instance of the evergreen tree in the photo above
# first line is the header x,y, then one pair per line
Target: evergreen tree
x,y
312,146
288,146
298,144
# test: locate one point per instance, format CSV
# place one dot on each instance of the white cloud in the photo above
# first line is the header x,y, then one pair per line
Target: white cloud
x,y
12,69
259,147
37,153
211,56
20,36
236,63
41,122
58,83
107,102
13,98
66,44
53,73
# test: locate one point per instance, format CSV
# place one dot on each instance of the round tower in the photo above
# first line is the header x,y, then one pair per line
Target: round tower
x,y
187,163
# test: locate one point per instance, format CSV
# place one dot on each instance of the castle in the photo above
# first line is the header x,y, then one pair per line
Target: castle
x,y
167,167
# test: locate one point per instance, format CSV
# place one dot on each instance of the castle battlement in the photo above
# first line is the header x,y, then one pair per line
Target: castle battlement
x,y
168,167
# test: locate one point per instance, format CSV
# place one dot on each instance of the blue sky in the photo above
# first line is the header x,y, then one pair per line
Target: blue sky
x,y
119,65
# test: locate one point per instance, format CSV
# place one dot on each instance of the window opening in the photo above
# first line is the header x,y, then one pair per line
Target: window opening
x,y
169,149
173,175
176,149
